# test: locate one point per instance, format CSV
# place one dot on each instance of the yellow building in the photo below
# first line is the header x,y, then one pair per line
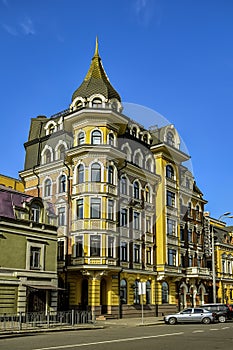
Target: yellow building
x,y
8,181
182,274
223,256
118,205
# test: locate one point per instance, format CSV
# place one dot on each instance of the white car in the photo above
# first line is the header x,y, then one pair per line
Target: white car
x,y
194,314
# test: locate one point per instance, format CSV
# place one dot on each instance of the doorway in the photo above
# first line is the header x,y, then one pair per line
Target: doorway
x,y
103,296
84,295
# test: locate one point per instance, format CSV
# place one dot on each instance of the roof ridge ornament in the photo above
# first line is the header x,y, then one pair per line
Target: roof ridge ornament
x,y
96,47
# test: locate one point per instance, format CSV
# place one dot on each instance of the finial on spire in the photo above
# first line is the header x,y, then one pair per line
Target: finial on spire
x,y
96,47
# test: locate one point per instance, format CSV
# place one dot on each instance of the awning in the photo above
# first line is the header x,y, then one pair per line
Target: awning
x,y
43,287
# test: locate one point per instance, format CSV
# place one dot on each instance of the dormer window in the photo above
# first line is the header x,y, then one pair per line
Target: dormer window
x,y
170,139
51,129
35,212
97,103
78,104
145,138
47,157
134,132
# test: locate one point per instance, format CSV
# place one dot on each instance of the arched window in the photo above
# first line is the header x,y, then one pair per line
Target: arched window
x,y
136,190
111,139
97,102
148,292
47,156
145,138
197,212
170,172
80,174
61,152
170,138
136,294
134,132
51,129
165,292
149,165
147,194
47,188
189,211
78,104
123,291
81,138
110,174
137,159
35,212
96,138
62,184
123,185
96,172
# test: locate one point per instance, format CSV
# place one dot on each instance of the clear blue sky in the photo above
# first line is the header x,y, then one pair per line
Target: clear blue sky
x,y
173,56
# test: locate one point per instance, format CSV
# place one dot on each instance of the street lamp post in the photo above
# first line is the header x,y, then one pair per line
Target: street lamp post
x,y
213,266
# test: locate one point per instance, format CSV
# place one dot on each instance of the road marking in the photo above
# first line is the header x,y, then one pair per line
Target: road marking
x,y
214,329
198,331
108,341
225,328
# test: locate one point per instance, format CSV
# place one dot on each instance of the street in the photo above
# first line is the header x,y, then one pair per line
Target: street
x,y
184,337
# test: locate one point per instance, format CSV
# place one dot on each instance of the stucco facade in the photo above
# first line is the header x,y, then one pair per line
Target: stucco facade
x,y
127,205
28,246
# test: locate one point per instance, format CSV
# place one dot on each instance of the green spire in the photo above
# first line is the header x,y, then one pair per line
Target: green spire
x,y
96,80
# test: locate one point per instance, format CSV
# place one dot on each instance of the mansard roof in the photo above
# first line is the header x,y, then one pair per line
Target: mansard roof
x,y
96,81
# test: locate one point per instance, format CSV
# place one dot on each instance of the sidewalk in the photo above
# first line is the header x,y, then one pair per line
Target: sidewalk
x,y
132,322
124,322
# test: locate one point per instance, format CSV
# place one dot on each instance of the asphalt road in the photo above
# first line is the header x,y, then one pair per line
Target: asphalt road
x,y
164,337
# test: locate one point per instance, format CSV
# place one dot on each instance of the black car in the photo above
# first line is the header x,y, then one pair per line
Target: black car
x,y
222,312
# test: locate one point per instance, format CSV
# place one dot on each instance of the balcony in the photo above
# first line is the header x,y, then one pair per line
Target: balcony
x,y
195,271
94,187
94,261
149,237
93,224
172,239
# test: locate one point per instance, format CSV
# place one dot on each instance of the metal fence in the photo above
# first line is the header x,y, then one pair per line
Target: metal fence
x,y
35,320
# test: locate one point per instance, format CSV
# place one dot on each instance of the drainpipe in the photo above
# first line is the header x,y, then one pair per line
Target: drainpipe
x,y
118,253
67,233
38,182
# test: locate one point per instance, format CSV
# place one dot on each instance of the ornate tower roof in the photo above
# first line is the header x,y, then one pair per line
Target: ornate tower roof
x,y
96,81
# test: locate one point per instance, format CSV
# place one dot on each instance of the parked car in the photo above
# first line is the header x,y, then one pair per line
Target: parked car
x,y
195,314
222,312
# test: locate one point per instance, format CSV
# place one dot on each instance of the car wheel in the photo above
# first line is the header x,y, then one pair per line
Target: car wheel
x,y
172,320
222,319
206,320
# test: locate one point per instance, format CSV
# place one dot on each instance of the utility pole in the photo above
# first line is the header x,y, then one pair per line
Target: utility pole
x,y
213,265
